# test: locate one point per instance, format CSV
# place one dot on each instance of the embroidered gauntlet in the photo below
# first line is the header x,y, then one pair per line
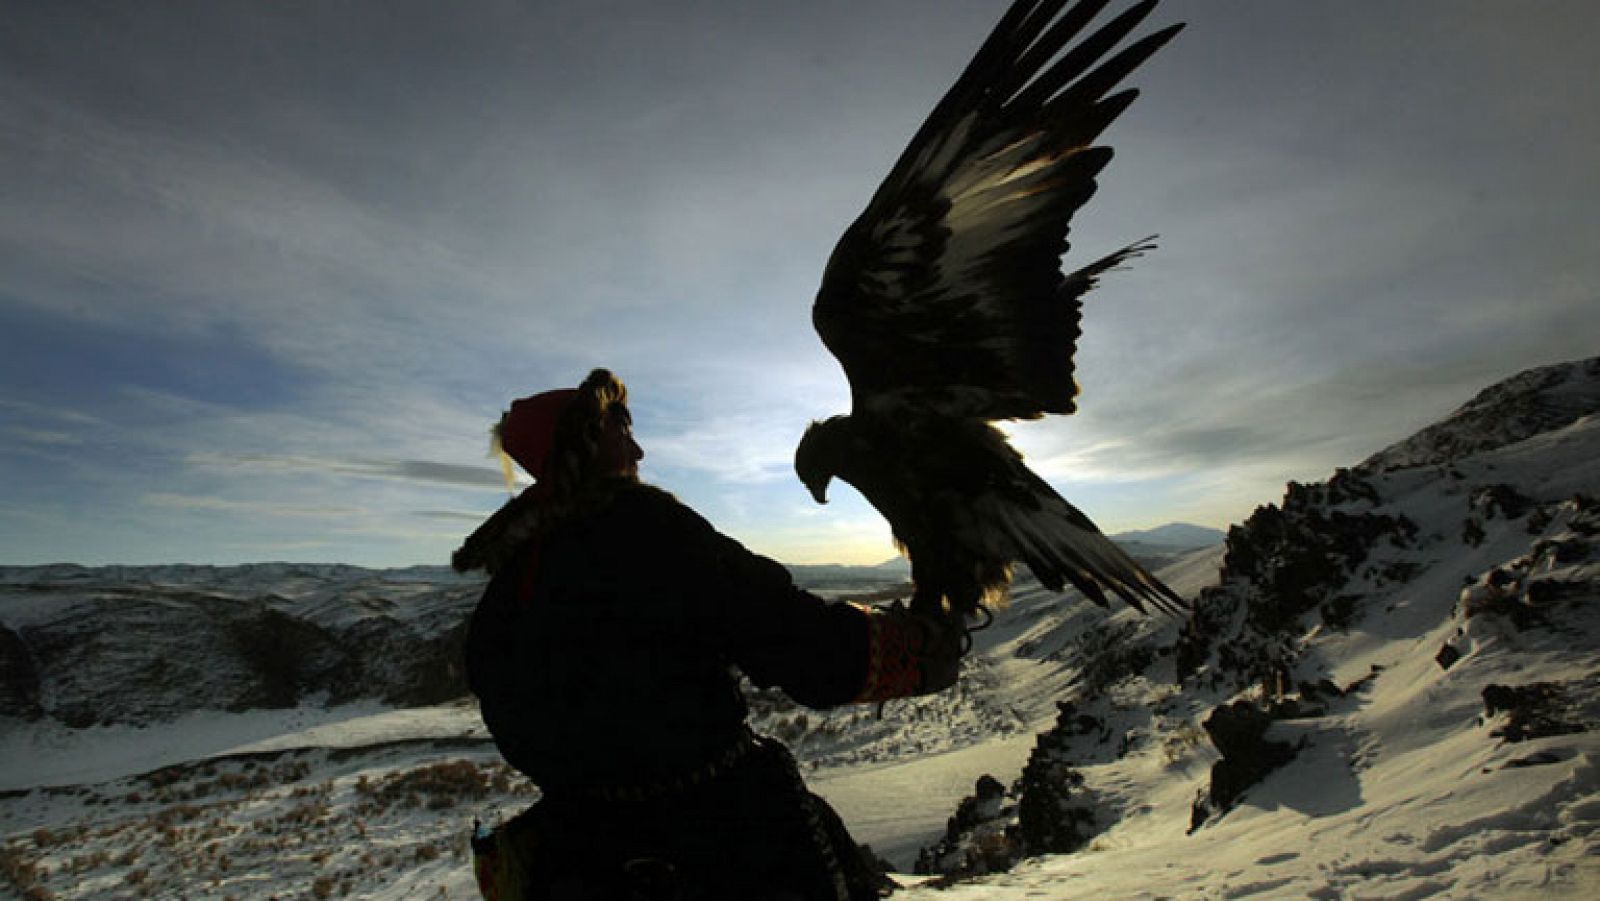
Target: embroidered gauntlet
x,y
908,654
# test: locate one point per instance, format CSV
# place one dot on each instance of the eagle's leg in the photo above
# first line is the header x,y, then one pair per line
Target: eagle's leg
x,y
927,599
966,601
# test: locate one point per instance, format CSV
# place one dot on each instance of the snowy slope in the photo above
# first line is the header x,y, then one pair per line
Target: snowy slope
x,y
1334,612
1416,771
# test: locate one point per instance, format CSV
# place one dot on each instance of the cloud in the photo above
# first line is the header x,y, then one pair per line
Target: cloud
x,y
425,471
43,436
212,503
450,515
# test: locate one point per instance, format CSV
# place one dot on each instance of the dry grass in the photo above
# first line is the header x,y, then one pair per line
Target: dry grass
x,y
229,827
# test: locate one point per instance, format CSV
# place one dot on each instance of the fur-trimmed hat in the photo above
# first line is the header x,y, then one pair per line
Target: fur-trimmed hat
x,y
527,432
554,436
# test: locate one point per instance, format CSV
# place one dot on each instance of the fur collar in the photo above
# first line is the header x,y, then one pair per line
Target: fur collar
x,y
529,515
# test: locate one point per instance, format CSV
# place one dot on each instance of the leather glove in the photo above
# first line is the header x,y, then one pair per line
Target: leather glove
x,y
909,654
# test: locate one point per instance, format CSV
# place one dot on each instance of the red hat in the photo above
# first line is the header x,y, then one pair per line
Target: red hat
x,y
529,429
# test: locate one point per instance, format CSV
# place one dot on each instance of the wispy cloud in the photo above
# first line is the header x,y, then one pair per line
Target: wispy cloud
x,y
400,470
450,515
214,503
43,436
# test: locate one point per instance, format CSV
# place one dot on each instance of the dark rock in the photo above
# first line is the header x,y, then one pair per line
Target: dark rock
x,y
1364,682
1239,731
988,788
1339,612
1501,500
1279,566
1236,729
1498,596
1586,521
1055,812
1536,710
1322,688
976,839
1295,709
1543,592
19,678
1348,485
1447,657
1069,722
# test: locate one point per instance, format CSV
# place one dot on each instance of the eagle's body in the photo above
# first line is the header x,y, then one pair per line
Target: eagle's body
x,y
946,305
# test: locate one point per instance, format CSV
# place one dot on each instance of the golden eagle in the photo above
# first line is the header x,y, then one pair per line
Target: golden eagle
x,y
946,305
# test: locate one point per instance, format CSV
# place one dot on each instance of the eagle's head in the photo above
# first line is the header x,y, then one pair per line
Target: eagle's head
x,y
821,455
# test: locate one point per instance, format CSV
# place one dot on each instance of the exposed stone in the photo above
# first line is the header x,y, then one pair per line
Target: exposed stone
x,y
1536,710
977,839
1317,691
1501,500
1239,731
1281,565
19,678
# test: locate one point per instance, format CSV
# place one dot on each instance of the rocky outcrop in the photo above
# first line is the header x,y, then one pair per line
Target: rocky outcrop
x,y
1527,404
1536,710
1055,810
1049,810
1239,731
978,839
1282,571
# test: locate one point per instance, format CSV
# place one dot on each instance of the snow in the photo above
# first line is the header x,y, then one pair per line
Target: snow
x,y
1402,788
45,753
872,799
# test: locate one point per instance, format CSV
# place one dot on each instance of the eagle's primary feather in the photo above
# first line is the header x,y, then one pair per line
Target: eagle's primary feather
x,y
946,305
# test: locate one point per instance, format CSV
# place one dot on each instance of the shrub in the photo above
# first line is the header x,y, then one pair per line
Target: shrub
x,y
1180,742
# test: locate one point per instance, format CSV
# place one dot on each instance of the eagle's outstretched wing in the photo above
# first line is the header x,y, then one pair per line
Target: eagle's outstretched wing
x,y
1025,519
947,293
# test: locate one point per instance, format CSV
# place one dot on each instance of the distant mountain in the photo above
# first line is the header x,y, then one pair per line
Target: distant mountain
x,y
1174,536
1171,538
810,575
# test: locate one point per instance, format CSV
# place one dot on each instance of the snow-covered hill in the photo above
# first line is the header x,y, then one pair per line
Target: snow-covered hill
x,y
142,645
1389,689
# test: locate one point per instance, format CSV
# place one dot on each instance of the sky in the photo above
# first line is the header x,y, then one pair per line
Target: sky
x,y
269,270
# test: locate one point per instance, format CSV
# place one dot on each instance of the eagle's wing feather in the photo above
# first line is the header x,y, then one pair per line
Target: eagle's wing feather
x,y
947,292
1024,519
1061,546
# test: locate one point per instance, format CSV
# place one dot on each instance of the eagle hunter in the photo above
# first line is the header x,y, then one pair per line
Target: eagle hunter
x,y
946,304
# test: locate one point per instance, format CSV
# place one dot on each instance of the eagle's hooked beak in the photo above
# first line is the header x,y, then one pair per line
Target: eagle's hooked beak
x,y
819,490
